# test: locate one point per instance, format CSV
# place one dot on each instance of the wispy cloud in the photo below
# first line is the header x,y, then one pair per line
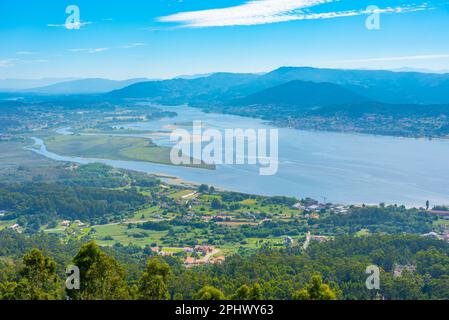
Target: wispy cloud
x,y
256,12
34,61
403,58
26,53
133,45
7,63
89,50
75,25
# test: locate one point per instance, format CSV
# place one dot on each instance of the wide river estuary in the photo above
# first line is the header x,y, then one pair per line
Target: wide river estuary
x,y
343,168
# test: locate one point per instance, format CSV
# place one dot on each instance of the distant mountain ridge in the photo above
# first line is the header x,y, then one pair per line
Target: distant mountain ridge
x,y
23,84
210,88
85,86
304,94
378,85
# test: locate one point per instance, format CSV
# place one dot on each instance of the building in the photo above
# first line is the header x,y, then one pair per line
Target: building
x,y
446,236
298,206
432,235
399,269
341,209
65,223
154,249
319,238
16,227
189,261
218,260
204,249
440,213
79,223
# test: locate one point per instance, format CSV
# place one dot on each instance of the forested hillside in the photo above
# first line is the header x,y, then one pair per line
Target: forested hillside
x,y
337,267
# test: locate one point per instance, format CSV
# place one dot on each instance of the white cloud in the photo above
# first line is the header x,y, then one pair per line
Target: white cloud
x,y
133,45
256,12
34,61
90,50
26,53
76,25
7,63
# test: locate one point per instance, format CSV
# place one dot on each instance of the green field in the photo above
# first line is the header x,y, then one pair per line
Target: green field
x,y
18,164
120,233
111,147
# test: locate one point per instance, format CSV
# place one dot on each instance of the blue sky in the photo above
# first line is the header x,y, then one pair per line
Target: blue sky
x,y
164,38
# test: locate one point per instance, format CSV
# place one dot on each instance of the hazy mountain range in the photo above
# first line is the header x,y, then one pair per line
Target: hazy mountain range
x,y
287,91
23,84
55,86
382,86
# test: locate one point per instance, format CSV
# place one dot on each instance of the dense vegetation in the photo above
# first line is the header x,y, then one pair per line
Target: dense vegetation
x,y
377,219
331,270
39,203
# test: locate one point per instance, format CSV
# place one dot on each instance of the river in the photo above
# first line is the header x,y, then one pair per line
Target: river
x,y
343,168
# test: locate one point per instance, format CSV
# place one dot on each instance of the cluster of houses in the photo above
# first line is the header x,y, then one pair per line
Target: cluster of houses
x,y
16,227
205,250
400,269
320,238
162,253
289,241
68,223
311,206
433,235
191,261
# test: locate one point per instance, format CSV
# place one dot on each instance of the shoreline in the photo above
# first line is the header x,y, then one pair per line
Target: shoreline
x,y
174,180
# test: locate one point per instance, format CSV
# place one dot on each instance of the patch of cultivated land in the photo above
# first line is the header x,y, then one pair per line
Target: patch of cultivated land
x,y
18,164
111,147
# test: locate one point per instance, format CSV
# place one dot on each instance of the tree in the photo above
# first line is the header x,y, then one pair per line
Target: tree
x,y
7,290
209,293
154,282
39,280
101,276
247,293
178,297
256,292
242,293
216,204
315,290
